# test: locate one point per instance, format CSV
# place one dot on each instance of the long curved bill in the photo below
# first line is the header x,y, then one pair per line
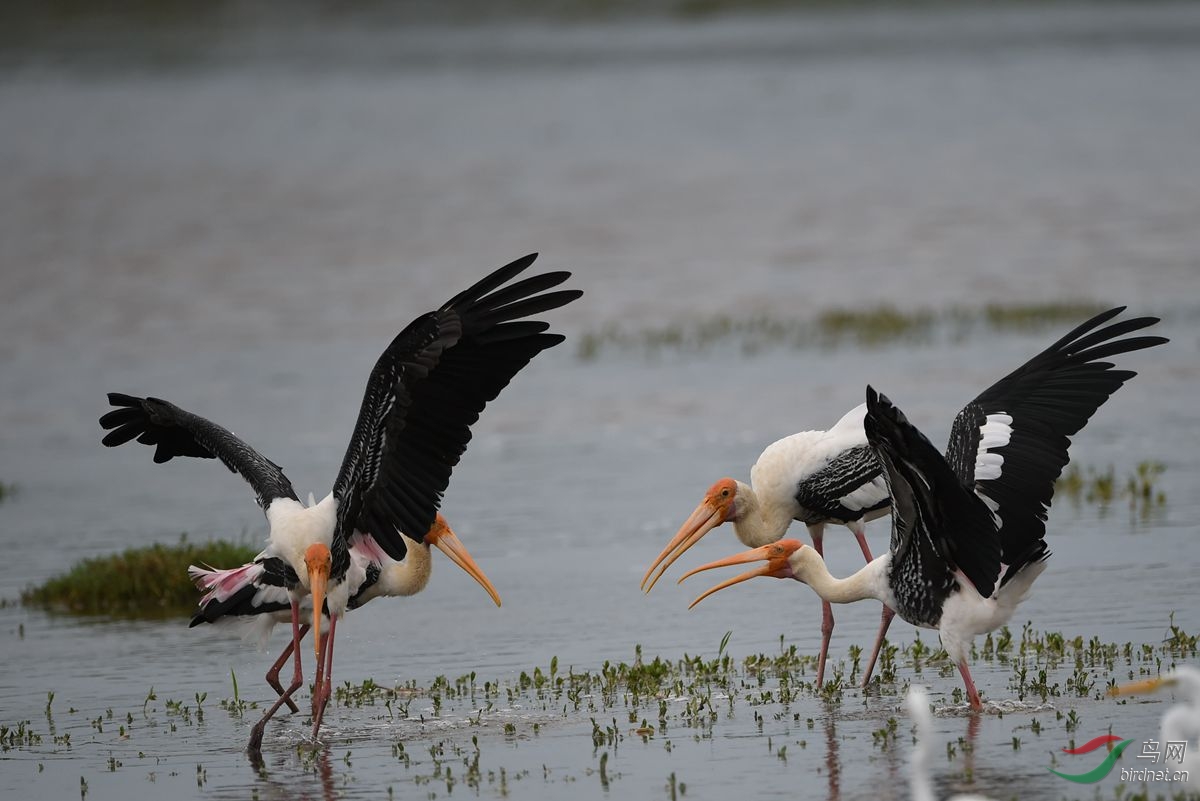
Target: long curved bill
x,y
448,543
318,561
1143,686
776,556
703,520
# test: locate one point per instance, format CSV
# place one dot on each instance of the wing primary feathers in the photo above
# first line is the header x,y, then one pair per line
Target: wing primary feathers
x,y
427,390
536,305
492,281
949,527
173,432
1010,443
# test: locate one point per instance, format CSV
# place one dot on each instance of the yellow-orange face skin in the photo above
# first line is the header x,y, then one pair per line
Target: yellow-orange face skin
x,y
319,561
715,509
776,555
446,541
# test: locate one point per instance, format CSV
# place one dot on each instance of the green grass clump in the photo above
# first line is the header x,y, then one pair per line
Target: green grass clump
x,y
871,327
1100,487
150,582
876,326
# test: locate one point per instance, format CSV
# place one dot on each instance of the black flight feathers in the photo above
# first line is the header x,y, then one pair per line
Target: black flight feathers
x,y
931,509
175,432
1049,399
428,387
425,391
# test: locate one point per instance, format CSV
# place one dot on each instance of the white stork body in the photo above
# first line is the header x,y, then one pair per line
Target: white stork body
x,y
255,591
424,393
816,477
295,527
968,529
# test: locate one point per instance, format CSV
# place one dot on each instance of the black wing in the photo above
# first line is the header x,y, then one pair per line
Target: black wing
x,y
1010,443
849,486
938,525
426,391
175,432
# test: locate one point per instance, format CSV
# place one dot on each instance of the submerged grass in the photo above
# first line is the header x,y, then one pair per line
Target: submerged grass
x,y
663,703
150,582
836,327
1101,488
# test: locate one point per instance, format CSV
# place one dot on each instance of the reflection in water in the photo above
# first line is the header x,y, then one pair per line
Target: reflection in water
x,y
304,773
833,767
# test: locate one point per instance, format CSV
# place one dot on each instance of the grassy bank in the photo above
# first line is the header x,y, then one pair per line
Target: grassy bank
x,y
149,582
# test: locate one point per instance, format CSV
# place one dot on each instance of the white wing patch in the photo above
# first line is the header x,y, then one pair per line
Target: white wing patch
x,y
995,433
270,594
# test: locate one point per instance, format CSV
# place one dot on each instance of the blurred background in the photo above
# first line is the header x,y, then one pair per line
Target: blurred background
x,y
235,205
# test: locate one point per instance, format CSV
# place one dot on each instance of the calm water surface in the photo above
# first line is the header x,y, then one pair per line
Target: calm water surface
x,y
243,232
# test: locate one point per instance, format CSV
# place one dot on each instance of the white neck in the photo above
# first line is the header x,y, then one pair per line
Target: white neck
x,y
758,523
869,582
409,576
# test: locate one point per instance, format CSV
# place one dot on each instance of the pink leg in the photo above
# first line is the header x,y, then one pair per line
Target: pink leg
x,y
817,533
860,533
256,734
884,622
320,677
324,689
273,673
972,693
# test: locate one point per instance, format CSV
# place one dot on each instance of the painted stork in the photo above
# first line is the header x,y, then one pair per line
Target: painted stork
x,y
819,477
816,477
424,393
258,591
968,529
1180,723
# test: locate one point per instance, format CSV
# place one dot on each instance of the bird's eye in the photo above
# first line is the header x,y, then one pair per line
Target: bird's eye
x,y
725,492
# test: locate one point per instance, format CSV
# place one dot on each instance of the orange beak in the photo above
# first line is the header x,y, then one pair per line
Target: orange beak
x,y
777,556
1137,687
448,543
712,512
318,560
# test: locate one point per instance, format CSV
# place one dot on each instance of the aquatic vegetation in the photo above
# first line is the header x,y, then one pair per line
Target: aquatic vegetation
x,y
644,703
835,327
1101,488
6,491
150,582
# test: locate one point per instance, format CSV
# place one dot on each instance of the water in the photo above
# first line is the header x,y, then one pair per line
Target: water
x,y
242,229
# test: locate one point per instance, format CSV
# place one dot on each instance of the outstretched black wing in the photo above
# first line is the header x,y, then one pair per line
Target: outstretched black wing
x,y
425,392
938,525
1010,443
175,432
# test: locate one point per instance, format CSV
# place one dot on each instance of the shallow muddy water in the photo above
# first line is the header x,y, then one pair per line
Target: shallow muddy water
x,y
243,231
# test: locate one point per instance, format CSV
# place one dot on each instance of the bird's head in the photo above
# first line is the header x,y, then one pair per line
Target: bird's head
x,y
446,541
318,561
719,506
783,559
